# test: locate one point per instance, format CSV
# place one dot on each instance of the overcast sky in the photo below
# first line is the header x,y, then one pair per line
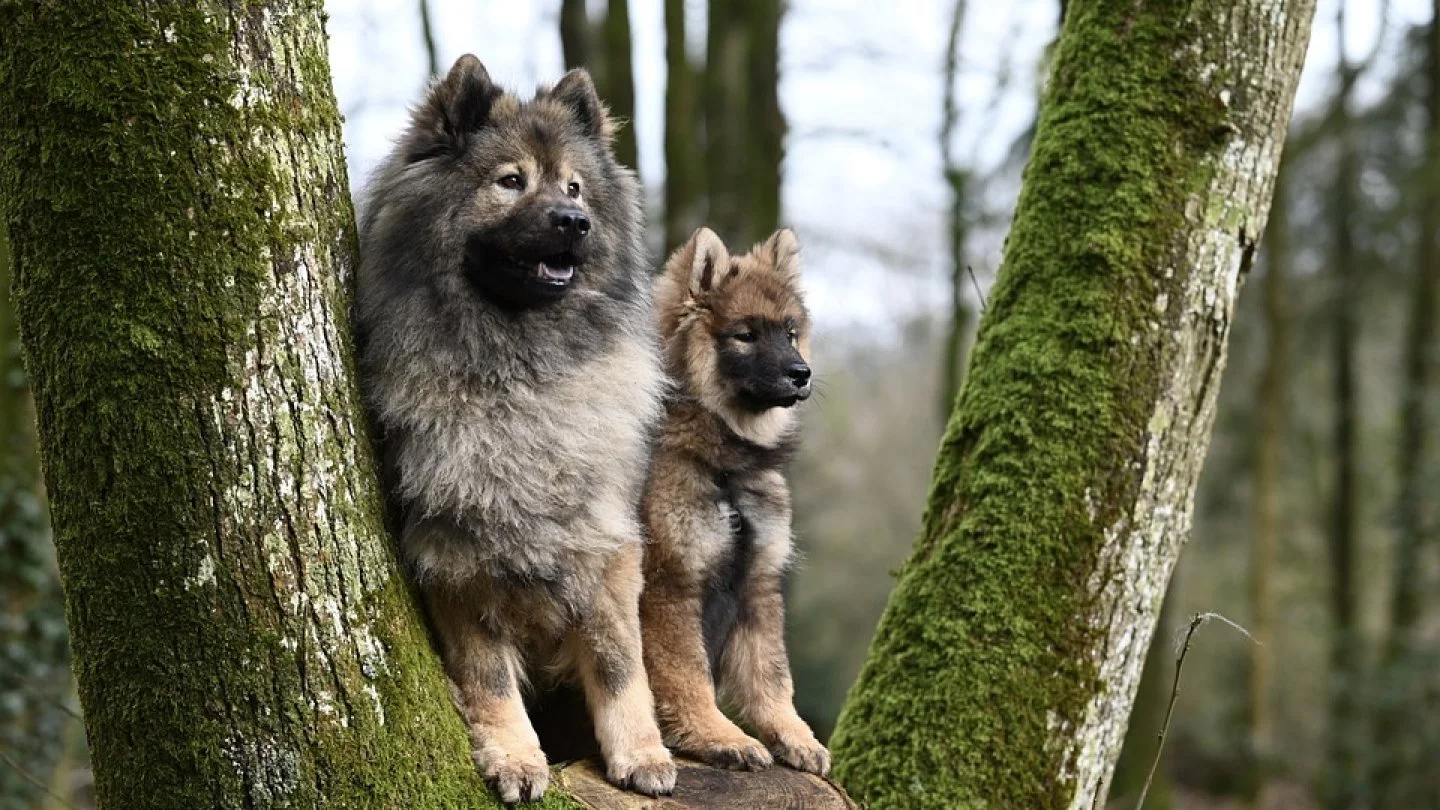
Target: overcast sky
x,y
861,88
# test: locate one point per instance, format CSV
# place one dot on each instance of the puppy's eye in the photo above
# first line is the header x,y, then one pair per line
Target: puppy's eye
x,y
514,182
744,337
574,191
793,335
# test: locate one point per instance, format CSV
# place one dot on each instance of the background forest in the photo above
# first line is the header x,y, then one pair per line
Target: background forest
x,y
892,137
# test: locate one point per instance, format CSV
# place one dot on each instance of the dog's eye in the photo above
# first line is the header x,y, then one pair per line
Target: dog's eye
x,y
514,182
574,190
744,337
793,335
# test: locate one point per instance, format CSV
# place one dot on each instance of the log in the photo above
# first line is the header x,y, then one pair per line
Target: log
x,y
701,787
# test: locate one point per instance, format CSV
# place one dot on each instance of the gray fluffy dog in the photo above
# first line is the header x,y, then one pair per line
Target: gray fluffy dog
x,y
509,361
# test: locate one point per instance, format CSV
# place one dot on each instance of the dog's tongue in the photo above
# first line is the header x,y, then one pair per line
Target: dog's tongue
x,y
550,273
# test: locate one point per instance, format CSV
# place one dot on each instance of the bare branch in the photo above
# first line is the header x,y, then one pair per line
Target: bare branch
x,y
1196,622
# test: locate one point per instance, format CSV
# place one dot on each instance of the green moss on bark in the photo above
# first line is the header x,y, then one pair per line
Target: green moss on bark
x,y
183,238
989,657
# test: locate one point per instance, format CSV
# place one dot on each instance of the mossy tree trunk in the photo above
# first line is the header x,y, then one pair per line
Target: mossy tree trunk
x,y
1004,667
183,238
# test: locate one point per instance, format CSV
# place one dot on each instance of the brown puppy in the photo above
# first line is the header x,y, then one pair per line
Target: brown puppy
x,y
735,336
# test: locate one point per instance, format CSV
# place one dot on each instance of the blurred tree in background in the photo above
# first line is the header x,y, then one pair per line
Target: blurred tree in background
x,y
38,730
603,47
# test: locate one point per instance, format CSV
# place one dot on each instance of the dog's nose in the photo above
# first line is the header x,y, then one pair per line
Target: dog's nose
x,y
799,374
570,221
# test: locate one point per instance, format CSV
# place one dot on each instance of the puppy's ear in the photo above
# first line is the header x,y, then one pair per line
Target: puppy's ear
x,y
576,91
702,263
782,249
456,106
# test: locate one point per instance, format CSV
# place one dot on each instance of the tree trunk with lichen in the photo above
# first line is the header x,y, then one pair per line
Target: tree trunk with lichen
x,y
1005,665
1152,700
182,232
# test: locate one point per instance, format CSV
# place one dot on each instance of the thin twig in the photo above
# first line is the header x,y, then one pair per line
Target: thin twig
x,y
36,693
27,776
1196,622
976,282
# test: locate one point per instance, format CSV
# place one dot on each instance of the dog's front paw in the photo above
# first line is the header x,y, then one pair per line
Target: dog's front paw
x,y
802,752
740,754
647,770
518,775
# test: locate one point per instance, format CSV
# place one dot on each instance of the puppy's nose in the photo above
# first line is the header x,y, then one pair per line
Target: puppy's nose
x,y
799,374
570,221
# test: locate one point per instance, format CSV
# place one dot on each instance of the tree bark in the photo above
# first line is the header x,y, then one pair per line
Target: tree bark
x,y
183,241
955,180
1269,464
1004,667
619,81
1152,698
684,162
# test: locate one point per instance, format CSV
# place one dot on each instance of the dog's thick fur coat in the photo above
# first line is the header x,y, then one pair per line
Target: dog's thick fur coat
x,y
509,359
735,334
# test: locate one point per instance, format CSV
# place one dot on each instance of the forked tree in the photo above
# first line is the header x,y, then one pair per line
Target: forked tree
x,y
1006,662
183,240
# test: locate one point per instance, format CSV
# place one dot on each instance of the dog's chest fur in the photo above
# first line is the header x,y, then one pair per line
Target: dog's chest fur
x,y
519,475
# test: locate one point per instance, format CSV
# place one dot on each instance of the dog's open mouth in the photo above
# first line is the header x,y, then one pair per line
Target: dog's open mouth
x,y
520,278
557,270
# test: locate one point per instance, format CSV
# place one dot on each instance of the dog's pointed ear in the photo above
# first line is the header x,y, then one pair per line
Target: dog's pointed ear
x,y
783,249
456,106
576,90
703,261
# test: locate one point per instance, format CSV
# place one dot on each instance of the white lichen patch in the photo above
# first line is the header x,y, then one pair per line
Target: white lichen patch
x,y
204,574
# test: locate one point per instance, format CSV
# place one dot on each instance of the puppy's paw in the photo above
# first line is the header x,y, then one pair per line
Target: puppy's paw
x,y
646,770
803,753
518,775
740,754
